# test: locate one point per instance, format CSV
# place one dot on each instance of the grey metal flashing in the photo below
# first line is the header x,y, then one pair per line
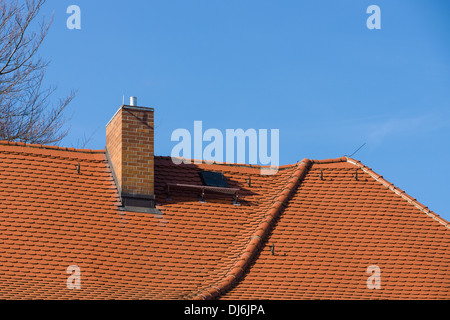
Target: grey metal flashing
x,y
112,171
140,209
132,202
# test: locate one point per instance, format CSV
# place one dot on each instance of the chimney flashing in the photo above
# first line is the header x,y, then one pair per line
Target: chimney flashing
x,y
140,210
138,203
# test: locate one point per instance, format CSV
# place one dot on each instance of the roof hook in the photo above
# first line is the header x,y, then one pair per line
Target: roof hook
x,y
355,175
78,167
249,181
201,197
272,248
320,174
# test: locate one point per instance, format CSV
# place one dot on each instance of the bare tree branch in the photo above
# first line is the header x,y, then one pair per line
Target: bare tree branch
x,y
25,111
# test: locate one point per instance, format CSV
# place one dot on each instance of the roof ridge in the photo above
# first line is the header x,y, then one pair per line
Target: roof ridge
x,y
333,160
398,191
42,146
227,164
246,256
55,156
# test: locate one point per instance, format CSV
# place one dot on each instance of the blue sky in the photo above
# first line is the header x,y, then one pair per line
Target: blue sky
x,y
311,69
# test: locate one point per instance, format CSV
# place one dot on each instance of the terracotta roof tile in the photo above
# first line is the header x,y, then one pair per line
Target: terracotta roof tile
x,y
295,235
333,229
52,217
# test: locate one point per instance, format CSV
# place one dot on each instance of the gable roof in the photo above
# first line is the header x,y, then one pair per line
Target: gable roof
x,y
325,232
333,229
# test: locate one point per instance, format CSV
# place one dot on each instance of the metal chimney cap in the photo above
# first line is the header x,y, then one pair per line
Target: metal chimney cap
x,y
133,101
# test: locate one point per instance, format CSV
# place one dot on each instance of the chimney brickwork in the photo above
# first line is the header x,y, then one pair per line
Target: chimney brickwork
x,y
130,149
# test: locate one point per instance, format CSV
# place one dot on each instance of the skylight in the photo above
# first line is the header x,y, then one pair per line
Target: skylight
x,y
213,179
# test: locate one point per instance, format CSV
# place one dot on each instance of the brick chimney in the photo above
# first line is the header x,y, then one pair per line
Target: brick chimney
x,y
130,152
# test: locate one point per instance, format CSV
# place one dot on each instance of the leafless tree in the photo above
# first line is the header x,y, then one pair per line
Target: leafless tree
x,y
25,110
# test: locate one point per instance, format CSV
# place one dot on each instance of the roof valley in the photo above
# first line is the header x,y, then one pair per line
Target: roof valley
x,y
242,262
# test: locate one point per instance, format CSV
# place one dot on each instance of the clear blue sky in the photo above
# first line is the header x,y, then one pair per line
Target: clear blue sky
x,y
311,69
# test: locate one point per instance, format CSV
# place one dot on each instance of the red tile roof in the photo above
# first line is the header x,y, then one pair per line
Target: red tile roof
x,y
333,229
324,233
